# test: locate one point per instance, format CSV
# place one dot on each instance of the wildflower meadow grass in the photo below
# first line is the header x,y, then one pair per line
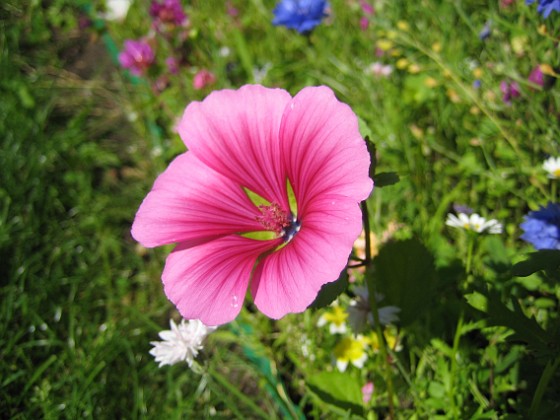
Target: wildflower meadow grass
x,y
279,209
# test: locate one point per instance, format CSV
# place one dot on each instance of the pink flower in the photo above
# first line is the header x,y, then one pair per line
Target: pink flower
x,y
367,392
136,56
509,91
172,65
536,76
167,12
203,78
263,141
364,23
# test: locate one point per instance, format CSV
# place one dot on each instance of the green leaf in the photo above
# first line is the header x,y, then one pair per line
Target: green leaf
x,y
338,389
526,330
384,179
405,275
330,291
545,259
477,301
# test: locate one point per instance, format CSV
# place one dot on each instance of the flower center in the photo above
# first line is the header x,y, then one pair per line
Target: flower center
x,y
279,221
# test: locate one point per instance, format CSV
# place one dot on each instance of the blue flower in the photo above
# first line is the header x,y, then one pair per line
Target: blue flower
x,y
301,15
546,6
542,227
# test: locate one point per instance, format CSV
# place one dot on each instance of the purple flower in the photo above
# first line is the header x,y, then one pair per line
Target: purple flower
x,y
136,56
168,11
546,6
542,227
510,91
172,65
301,15
486,31
537,77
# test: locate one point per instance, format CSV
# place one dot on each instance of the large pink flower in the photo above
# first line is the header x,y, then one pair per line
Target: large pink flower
x,y
261,142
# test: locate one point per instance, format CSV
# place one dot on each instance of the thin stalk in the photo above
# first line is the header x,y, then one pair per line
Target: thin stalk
x,y
375,313
546,376
237,394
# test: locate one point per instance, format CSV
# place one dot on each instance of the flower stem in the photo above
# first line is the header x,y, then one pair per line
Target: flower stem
x,y
375,313
547,375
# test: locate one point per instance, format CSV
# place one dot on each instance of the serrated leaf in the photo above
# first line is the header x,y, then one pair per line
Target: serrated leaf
x,y
405,275
526,329
338,389
330,291
384,179
545,259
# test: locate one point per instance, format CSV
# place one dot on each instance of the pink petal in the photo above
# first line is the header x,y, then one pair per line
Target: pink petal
x,y
322,148
289,279
191,203
209,281
236,134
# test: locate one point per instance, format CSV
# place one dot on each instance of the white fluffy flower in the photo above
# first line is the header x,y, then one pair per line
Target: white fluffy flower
x,y
378,69
474,222
116,10
359,311
552,166
181,343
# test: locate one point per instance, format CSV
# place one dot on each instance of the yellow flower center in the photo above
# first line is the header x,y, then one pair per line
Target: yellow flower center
x,y
349,349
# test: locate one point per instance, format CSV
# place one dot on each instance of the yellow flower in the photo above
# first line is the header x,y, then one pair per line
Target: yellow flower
x,y
403,26
402,64
518,44
391,338
547,69
430,82
384,44
350,350
453,96
436,47
336,318
477,72
414,68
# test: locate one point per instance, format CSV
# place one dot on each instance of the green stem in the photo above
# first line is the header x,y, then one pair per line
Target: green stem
x,y
237,394
470,252
546,376
375,313
553,191
453,370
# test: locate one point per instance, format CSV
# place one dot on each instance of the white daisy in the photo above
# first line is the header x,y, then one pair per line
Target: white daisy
x,y
474,222
552,166
181,343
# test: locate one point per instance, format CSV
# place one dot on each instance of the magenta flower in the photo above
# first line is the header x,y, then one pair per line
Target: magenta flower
x,y
136,56
509,91
167,12
536,76
203,78
261,142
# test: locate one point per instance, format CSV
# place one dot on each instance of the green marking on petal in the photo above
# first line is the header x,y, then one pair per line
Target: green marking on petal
x,y
256,199
261,235
291,197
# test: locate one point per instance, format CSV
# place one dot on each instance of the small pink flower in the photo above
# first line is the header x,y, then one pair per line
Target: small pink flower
x,y
167,12
203,78
367,8
367,392
537,77
264,141
509,91
172,65
136,56
364,23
